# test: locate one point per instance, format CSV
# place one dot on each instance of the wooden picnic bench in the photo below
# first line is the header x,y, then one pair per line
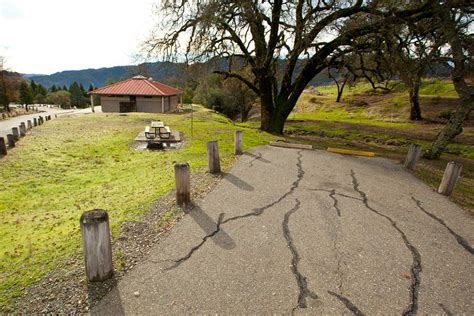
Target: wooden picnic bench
x,y
157,129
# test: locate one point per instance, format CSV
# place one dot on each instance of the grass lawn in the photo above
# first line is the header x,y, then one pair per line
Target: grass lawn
x,y
74,164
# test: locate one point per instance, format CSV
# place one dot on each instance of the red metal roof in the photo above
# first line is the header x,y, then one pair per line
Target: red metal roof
x,y
137,85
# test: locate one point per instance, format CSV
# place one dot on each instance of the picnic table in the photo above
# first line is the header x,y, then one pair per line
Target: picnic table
x,y
159,130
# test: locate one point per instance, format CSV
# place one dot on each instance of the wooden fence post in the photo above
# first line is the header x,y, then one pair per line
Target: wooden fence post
x,y
16,135
413,155
183,183
35,122
11,140
22,129
39,120
450,178
28,124
213,157
3,146
96,244
238,143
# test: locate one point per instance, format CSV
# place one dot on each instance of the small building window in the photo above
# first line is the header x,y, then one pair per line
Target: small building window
x,y
148,97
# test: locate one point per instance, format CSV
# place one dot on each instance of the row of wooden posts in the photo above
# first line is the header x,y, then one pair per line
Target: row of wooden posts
x,y
19,132
450,176
94,224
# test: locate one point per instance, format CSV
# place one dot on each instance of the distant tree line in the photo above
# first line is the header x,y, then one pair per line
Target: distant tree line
x,y
15,89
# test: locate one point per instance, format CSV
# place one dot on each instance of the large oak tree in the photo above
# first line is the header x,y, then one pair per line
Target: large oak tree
x,y
302,35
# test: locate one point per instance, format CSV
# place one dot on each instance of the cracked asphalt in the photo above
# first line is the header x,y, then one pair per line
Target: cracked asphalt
x,y
309,232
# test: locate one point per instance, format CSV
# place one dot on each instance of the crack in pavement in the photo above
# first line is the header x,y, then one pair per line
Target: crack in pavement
x,y
349,305
195,248
255,212
301,280
332,196
251,162
416,267
463,242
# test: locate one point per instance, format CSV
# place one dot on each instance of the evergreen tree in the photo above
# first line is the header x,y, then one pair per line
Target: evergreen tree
x,y
53,88
91,87
25,96
65,88
77,96
33,88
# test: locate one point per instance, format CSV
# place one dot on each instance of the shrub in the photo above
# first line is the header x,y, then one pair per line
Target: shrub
x,y
446,114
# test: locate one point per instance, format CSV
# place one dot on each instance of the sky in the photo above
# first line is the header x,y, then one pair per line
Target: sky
x,y
47,36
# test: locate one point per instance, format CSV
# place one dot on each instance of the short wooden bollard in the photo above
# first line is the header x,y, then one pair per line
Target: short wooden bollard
x,y
22,129
39,120
28,124
96,244
413,155
183,183
35,122
55,116
3,146
11,140
213,157
450,178
238,143
15,133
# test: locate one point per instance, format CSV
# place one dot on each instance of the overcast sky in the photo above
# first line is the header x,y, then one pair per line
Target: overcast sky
x,y
46,36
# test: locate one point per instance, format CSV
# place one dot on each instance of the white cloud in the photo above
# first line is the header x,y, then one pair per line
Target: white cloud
x,y
53,35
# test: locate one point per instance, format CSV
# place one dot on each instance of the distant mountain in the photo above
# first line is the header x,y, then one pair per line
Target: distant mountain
x,y
160,71
166,72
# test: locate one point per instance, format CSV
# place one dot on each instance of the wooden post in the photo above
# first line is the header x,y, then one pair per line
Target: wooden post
x,y
183,183
16,135
450,178
413,155
96,244
28,124
40,120
35,122
3,146
22,129
238,143
92,104
11,140
55,116
213,157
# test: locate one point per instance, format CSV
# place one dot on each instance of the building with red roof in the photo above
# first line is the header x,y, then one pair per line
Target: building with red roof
x,y
138,94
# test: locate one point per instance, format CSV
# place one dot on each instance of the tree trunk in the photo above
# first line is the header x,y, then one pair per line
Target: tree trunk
x,y
244,114
340,89
415,111
463,89
451,130
275,122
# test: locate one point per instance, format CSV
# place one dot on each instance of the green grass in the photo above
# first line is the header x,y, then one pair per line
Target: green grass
x,y
71,165
429,87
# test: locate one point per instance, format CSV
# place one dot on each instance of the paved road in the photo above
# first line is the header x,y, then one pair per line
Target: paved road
x,y
309,232
6,125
